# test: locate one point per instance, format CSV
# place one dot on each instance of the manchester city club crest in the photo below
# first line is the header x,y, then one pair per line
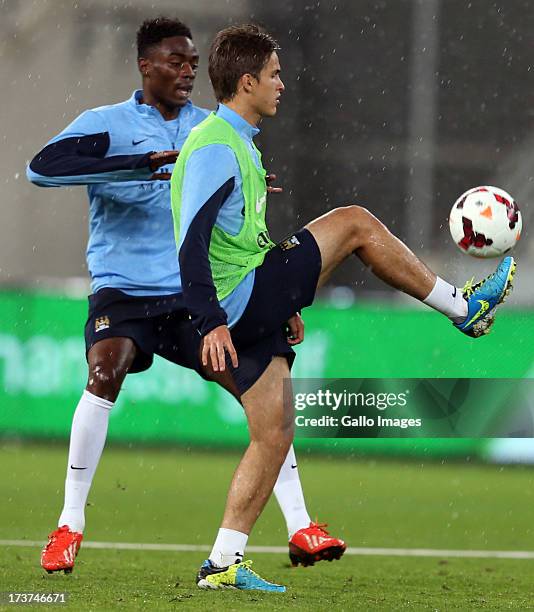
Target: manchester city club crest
x,y
289,243
101,323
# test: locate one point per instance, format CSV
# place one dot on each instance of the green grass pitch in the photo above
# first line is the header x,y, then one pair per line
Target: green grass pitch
x,y
176,496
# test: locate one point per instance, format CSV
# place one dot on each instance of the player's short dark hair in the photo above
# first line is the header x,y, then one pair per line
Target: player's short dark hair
x,y
236,51
153,31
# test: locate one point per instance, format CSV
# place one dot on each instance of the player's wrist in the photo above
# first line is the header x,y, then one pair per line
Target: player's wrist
x,y
212,325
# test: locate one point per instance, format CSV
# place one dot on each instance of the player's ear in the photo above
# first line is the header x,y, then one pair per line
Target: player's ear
x,y
144,66
248,82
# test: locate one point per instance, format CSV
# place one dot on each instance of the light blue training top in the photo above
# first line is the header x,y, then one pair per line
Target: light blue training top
x,y
131,242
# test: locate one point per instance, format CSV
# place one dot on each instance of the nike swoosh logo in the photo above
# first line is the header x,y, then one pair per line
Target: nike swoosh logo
x,y
136,142
77,468
260,203
454,292
293,466
483,309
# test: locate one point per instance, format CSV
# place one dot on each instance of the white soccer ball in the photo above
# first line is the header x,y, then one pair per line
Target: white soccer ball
x,y
485,222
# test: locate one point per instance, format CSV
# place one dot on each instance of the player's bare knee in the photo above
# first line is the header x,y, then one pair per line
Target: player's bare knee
x,y
361,223
276,435
353,221
105,381
278,438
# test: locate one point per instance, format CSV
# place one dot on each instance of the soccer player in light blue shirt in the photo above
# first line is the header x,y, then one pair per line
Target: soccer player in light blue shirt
x,y
124,153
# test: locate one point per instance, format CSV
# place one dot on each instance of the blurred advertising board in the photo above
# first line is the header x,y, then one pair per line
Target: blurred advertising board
x,y
43,371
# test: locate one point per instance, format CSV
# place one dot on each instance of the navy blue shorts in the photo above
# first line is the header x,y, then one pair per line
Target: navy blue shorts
x,y
157,325
284,284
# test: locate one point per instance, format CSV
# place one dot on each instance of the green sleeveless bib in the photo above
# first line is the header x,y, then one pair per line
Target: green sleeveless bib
x,y
231,257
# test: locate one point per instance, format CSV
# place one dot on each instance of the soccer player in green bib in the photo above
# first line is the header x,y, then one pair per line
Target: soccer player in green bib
x,y
243,292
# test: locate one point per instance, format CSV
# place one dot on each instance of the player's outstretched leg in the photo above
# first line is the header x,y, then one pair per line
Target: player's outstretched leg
x,y
271,425
354,230
109,361
309,542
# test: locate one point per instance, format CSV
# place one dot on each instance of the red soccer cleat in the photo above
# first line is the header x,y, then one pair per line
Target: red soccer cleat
x,y
312,544
59,554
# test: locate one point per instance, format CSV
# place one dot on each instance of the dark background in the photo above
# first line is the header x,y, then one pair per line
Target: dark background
x,y
397,105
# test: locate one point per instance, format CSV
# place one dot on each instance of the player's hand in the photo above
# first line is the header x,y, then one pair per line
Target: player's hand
x,y
270,178
216,342
162,158
296,330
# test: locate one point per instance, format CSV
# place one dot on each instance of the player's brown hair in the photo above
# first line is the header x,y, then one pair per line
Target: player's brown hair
x,y
236,51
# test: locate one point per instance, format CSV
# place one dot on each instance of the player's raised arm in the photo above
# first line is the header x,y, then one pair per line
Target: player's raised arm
x,y
80,155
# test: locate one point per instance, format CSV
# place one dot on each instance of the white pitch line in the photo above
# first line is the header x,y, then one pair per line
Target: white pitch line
x,y
382,552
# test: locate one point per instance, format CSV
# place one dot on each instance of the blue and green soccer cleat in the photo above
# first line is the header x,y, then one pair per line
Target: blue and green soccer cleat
x,y
237,576
484,297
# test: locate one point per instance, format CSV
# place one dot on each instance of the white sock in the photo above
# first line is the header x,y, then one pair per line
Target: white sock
x,y
289,495
447,299
87,439
229,547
